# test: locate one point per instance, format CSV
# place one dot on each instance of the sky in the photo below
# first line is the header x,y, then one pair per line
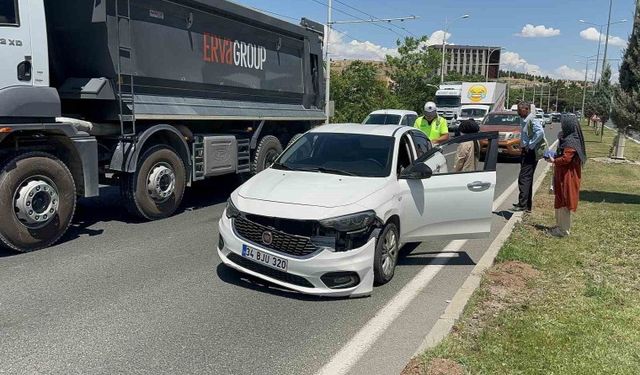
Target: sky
x,y
543,36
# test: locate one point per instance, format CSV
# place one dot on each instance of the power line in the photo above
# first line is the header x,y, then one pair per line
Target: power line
x,y
374,17
356,17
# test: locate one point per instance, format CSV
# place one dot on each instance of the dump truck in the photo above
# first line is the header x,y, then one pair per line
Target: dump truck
x,y
147,95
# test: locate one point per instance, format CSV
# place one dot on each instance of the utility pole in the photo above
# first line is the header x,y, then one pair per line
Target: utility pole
x,y
606,41
327,57
549,99
327,60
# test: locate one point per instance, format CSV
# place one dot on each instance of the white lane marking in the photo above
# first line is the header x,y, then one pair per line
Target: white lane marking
x,y
359,344
349,355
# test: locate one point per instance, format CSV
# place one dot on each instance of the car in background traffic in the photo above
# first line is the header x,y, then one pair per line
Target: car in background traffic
x,y
330,216
507,124
555,117
540,117
391,117
547,119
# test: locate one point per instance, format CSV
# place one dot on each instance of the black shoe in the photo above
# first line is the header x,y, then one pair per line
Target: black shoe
x,y
517,205
520,209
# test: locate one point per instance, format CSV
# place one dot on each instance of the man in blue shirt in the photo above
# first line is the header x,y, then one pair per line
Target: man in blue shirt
x,y
531,134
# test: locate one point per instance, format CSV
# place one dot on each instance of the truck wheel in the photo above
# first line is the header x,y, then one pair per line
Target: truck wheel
x,y
37,201
386,254
156,189
267,152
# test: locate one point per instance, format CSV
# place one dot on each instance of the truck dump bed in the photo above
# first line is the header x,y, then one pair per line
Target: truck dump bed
x,y
187,59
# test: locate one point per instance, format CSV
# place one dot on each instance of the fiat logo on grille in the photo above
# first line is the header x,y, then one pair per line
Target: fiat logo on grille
x,y
267,238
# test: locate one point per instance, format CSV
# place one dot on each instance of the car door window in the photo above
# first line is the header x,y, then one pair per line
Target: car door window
x,y
468,154
405,154
411,120
421,143
405,120
8,13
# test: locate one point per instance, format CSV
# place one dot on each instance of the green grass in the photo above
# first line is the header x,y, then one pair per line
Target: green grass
x,y
581,315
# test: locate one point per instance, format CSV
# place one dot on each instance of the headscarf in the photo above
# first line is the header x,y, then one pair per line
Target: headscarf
x,y
572,137
469,127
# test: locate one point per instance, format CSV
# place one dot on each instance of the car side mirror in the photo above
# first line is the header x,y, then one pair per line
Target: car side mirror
x,y
416,171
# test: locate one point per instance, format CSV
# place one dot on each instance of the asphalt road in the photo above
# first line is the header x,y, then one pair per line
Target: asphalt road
x,y
120,296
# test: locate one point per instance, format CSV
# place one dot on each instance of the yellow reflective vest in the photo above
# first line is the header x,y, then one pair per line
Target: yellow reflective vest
x,y
434,130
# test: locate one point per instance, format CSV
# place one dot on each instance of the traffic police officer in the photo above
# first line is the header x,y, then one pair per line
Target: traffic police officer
x,y
434,126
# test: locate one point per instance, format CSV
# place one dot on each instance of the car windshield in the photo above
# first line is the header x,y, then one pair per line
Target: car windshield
x,y
473,112
447,101
337,153
502,120
382,119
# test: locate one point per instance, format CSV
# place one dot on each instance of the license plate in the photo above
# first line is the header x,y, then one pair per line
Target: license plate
x,y
501,150
264,258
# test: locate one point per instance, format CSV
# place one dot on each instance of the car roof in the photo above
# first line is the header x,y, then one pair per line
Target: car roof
x,y
400,112
504,113
381,130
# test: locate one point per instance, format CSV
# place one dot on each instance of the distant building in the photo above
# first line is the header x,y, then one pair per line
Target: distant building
x,y
470,60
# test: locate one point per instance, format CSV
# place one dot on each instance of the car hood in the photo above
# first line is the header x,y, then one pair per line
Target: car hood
x,y
309,188
500,128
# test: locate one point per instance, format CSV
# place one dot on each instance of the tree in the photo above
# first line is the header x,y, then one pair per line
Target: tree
x,y
414,72
626,103
357,91
600,102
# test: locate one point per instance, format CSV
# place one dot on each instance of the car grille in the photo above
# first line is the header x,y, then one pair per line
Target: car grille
x,y
281,242
270,272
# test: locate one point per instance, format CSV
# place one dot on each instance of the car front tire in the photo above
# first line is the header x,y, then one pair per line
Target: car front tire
x,y
386,255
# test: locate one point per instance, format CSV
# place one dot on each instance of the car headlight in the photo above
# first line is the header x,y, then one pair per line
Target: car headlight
x,y
231,211
350,223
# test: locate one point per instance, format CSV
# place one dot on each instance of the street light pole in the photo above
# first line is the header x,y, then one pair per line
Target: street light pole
x,y
444,39
584,89
606,41
327,59
600,27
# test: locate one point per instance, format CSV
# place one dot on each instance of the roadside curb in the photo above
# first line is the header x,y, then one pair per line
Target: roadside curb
x,y
454,310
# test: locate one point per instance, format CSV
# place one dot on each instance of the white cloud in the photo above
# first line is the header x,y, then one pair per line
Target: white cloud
x,y
540,31
513,61
436,37
565,72
593,35
340,48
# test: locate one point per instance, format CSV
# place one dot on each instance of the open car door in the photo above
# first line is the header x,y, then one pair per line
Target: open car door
x,y
451,204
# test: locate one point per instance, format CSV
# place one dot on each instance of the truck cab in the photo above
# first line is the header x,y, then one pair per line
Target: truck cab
x,y
448,101
475,111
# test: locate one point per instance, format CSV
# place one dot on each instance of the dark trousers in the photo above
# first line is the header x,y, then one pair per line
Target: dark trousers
x,y
528,165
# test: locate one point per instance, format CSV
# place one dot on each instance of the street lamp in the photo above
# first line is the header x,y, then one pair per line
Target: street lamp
x,y
600,27
444,38
586,69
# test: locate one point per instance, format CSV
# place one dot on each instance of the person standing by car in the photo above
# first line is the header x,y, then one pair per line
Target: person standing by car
x,y
468,153
531,141
568,162
434,126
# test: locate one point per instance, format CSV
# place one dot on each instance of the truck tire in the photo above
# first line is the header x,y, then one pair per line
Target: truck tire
x,y
268,150
155,190
386,254
37,201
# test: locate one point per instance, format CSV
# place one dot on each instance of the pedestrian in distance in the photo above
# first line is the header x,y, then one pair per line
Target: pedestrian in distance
x,y
432,125
533,145
468,153
567,162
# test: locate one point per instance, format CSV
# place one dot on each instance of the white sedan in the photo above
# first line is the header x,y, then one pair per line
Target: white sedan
x,y
331,214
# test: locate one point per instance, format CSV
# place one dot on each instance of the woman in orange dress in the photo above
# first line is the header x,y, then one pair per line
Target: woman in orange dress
x,y
568,162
